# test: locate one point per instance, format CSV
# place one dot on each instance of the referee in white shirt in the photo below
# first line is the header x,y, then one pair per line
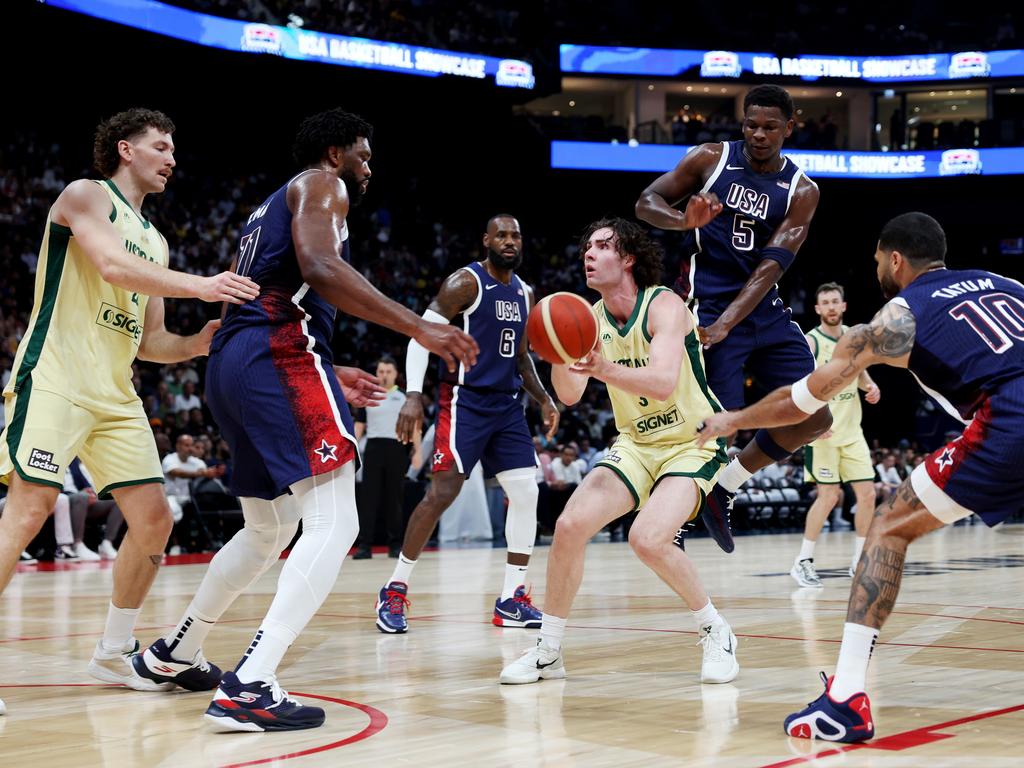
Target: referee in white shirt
x,y
385,461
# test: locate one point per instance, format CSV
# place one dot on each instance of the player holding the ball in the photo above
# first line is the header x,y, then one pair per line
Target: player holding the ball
x,y
659,396
480,417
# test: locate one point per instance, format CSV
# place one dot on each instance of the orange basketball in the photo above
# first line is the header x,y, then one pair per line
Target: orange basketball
x,y
562,328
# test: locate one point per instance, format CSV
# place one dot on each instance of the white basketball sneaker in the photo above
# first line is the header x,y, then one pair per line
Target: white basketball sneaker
x,y
107,551
85,554
117,668
720,664
3,707
805,575
538,662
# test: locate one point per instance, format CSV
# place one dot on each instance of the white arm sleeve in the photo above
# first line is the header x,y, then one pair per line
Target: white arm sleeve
x,y
803,399
417,356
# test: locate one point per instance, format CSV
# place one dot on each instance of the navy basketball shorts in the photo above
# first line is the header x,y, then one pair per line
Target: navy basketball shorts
x,y
280,408
771,349
477,426
980,471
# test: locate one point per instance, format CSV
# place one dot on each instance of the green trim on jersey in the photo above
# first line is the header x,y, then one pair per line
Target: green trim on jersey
x,y
631,319
817,329
647,310
817,347
105,493
113,186
693,352
55,254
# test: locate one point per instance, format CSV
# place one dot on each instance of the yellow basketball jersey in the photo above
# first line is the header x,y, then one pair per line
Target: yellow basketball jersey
x,y
645,420
84,333
845,405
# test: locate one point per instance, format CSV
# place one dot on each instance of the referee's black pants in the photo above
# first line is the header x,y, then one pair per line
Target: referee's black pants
x,y
385,462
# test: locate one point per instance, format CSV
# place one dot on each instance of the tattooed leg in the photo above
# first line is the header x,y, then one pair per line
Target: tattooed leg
x,y
897,522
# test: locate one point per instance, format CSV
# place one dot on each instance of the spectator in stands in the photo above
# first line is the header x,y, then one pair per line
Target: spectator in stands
x,y
565,476
888,475
84,506
188,399
180,468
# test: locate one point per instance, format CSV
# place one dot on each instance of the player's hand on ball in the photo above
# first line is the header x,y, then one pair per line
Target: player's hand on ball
x,y
701,209
361,389
550,416
713,334
410,418
873,394
592,364
449,343
229,287
714,426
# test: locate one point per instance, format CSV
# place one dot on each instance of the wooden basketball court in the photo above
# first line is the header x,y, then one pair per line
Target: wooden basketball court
x,y
947,680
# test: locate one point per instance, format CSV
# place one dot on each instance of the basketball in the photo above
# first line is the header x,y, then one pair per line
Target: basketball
x,y
562,328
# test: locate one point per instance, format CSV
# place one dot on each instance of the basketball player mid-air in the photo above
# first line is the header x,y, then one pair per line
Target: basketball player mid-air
x,y
961,333
480,417
658,470
748,213
283,411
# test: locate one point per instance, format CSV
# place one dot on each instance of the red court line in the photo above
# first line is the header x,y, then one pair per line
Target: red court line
x,y
378,721
900,741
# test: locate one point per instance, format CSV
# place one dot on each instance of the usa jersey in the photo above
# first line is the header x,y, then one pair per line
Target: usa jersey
x,y
269,380
969,338
720,256
496,321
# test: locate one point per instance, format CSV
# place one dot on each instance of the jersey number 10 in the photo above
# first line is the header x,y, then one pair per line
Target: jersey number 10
x,y
996,317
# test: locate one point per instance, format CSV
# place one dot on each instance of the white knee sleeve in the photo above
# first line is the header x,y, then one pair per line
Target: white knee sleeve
x,y
520,485
329,528
269,526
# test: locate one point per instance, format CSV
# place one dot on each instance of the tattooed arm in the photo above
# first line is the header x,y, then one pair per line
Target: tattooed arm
x,y
887,339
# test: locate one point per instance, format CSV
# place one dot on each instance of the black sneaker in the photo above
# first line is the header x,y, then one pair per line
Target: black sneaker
x,y
258,706
362,553
715,512
157,664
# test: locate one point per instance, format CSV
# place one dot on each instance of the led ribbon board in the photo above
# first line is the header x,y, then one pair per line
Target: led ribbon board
x,y
304,45
659,158
666,62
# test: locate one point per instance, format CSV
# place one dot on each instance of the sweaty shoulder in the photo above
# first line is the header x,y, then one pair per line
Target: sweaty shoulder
x,y
667,309
704,155
317,187
81,196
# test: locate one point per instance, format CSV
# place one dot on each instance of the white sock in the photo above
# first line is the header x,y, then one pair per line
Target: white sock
x,y
515,575
403,569
552,630
265,652
706,616
854,655
734,476
119,628
858,547
185,640
806,550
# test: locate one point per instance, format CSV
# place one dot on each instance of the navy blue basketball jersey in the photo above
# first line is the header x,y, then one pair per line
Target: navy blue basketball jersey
x,y
497,321
719,257
969,339
266,254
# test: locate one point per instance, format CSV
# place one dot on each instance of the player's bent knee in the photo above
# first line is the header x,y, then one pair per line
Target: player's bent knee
x,y
645,543
572,527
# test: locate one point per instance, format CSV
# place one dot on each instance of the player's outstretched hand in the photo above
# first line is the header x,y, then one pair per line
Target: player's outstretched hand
x,y
714,426
203,338
713,334
410,418
873,394
449,343
229,287
361,389
701,209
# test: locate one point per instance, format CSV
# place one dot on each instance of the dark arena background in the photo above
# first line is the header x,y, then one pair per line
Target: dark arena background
x,y
913,107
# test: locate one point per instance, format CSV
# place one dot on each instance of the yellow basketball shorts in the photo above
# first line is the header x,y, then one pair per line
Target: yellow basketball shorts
x,y
45,431
641,467
831,464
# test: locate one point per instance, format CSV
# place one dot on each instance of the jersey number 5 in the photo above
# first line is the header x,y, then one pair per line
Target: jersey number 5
x,y
742,232
995,317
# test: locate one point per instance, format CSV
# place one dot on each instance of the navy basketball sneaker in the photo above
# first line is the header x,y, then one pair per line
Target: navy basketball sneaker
x,y
824,718
391,605
258,706
157,664
516,611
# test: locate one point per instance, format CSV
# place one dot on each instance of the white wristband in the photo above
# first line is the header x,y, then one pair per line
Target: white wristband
x,y
803,399
417,357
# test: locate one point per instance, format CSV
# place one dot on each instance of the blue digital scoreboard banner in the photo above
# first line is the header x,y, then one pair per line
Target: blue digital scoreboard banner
x,y
305,45
665,62
659,158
